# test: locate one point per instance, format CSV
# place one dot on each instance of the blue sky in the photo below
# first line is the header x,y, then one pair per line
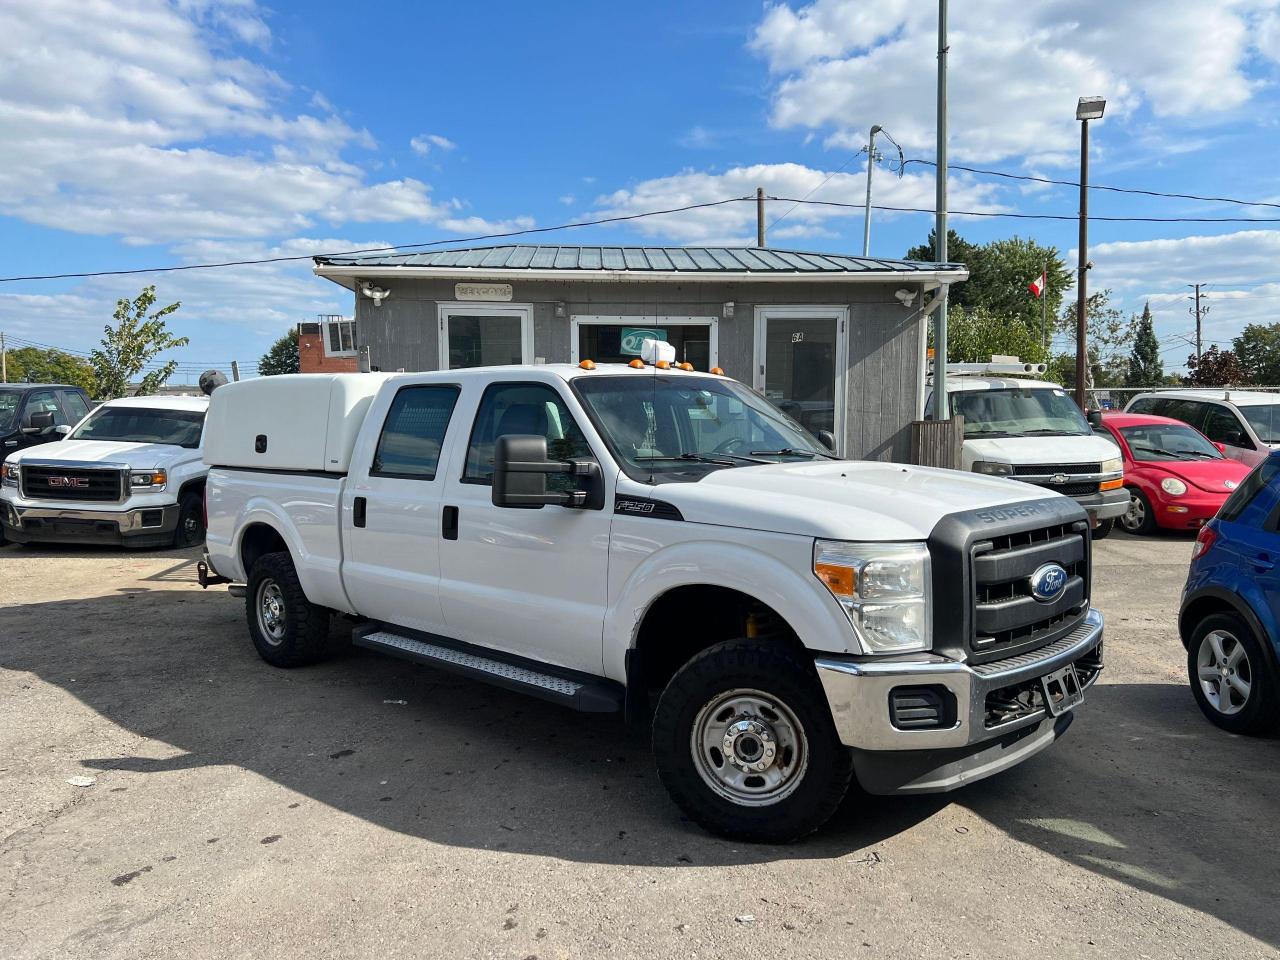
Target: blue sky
x,y
153,133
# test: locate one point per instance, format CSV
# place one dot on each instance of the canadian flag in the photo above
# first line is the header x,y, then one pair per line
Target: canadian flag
x,y
1037,285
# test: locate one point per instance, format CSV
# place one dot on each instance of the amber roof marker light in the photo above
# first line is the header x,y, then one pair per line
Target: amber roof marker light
x,y
587,365
716,371
637,364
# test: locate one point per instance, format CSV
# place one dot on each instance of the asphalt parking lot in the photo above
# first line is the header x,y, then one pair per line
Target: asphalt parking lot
x,y
371,808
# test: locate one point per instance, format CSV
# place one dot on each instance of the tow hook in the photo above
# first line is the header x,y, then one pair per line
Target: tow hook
x,y
206,578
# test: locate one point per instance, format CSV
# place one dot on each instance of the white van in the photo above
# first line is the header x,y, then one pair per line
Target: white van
x,y
1031,430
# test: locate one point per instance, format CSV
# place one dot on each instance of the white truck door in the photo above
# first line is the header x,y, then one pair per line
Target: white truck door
x,y
391,511
529,582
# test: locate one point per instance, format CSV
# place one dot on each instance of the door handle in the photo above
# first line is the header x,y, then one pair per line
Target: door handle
x,y
358,508
1263,562
449,523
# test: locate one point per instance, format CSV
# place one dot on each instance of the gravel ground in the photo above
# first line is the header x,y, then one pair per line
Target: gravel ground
x,y
370,808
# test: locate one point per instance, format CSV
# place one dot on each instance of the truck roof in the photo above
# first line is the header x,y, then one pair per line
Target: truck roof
x,y
565,371
39,386
161,402
1241,398
956,383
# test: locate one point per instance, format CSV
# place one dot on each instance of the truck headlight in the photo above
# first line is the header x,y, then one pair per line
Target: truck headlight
x,y
1114,465
1173,486
993,469
884,589
10,474
148,480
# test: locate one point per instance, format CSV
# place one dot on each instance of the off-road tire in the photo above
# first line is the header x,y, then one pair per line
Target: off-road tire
x,y
1148,524
1104,528
1261,710
781,673
304,630
190,510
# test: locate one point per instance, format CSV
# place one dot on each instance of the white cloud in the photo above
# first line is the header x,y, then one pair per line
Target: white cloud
x,y
423,143
734,223
1016,68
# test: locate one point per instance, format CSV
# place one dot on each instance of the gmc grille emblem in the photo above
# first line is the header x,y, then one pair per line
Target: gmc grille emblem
x,y
78,482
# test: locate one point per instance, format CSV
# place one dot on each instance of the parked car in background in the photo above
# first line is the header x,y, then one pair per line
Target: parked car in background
x,y
1247,424
1030,430
32,413
1230,617
130,473
1176,478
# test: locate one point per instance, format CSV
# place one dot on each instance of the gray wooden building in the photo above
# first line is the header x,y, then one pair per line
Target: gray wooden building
x,y
836,341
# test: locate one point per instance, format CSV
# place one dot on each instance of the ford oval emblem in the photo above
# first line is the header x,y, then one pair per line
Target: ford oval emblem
x,y
1048,582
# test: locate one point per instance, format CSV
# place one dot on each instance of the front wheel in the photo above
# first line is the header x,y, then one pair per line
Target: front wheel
x,y
745,745
1103,529
1230,676
288,630
1139,518
190,529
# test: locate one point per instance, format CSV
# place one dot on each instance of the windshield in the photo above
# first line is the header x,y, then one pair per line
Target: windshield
x,y
1019,412
143,425
1168,441
1265,420
9,400
665,428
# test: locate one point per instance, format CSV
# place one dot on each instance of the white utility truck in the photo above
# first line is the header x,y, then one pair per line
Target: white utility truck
x,y
130,473
648,539
1026,429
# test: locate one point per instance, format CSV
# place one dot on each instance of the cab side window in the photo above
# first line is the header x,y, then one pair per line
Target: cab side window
x,y
1223,426
413,434
44,401
523,408
75,406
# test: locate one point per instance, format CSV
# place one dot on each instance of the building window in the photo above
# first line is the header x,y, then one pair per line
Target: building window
x,y
339,336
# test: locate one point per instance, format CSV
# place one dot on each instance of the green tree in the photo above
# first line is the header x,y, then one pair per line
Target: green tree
x,y
976,334
139,334
36,365
1216,368
1145,366
282,357
1110,334
1258,350
999,272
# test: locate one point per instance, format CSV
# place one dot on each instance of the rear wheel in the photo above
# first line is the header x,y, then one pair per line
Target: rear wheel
x,y
1231,677
745,744
288,630
1139,518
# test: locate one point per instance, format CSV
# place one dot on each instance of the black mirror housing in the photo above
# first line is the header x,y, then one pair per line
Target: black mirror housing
x,y
520,470
827,439
1095,418
39,422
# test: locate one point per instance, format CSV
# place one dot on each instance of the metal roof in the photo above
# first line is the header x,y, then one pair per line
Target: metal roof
x,y
702,261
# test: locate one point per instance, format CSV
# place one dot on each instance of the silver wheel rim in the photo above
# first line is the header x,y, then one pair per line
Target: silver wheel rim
x,y
190,527
1224,672
1136,515
749,747
271,612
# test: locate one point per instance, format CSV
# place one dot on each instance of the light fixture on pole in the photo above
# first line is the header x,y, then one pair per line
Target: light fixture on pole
x,y
1089,108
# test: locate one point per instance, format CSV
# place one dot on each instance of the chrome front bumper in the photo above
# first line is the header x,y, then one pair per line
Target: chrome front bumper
x,y
858,691
139,522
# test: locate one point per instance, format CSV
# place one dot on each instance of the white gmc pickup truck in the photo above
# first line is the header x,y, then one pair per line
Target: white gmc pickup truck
x,y
666,543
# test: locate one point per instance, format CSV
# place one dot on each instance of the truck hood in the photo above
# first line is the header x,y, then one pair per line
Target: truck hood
x,y
841,500
1026,450
142,456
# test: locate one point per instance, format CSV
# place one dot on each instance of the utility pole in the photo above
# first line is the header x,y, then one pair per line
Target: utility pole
x,y
866,218
941,410
235,370
1199,312
760,217
1089,108
4,360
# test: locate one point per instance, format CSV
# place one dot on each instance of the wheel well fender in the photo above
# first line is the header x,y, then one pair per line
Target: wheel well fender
x,y
1210,600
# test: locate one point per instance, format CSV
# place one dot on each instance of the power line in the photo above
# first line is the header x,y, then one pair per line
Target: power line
x,y
400,246
1036,216
1097,186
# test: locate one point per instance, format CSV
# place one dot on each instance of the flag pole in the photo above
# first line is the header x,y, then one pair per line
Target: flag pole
x,y
1044,309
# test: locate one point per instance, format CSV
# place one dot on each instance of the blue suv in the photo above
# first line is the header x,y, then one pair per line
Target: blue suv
x,y
1230,617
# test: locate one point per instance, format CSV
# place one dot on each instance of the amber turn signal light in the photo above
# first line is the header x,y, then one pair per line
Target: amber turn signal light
x,y
1111,484
839,579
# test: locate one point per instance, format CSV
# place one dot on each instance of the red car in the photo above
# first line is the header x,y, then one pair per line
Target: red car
x,y
1176,478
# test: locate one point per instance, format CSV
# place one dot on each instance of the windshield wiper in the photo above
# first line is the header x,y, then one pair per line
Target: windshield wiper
x,y
1049,431
1175,454
723,459
792,452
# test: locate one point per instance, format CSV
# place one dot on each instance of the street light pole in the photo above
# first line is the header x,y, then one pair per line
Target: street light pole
x,y
866,219
1089,108
941,410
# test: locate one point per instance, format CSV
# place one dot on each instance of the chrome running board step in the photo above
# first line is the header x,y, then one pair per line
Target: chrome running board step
x,y
577,691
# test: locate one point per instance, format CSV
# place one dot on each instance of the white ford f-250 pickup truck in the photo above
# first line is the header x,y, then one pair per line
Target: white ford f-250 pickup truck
x,y
130,474
669,544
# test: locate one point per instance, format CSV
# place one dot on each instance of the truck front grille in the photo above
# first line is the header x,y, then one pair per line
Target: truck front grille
x,y
1006,615
93,485
1049,469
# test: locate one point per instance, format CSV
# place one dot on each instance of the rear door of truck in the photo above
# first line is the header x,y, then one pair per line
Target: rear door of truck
x,y
392,506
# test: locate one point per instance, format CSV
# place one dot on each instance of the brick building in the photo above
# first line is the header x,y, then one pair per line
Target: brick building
x,y
327,346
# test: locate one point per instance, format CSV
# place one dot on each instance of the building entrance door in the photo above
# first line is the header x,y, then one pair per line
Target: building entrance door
x,y
800,361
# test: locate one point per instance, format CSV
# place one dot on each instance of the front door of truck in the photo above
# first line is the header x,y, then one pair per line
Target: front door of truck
x,y
529,582
391,515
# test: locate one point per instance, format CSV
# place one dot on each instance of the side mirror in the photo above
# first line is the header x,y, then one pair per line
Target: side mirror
x,y
1095,418
827,439
1222,447
62,429
39,422
520,470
